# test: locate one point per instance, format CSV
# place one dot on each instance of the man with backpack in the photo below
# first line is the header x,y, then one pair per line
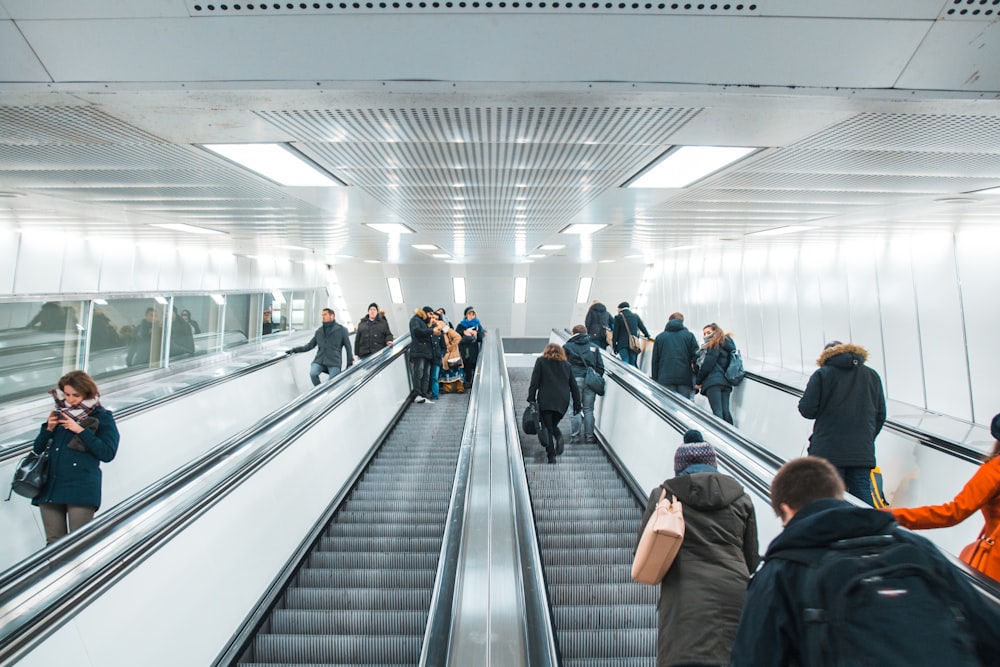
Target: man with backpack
x,y
845,585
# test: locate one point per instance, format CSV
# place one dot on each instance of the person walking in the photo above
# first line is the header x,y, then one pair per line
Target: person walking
x,y
329,339
846,400
373,333
598,323
627,324
553,386
80,434
981,493
715,356
583,353
675,352
421,354
701,595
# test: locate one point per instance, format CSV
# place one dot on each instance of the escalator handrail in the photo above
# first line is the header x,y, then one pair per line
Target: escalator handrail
x,y
56,582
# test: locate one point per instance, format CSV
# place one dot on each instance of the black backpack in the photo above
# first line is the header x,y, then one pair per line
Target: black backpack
x,y
880,600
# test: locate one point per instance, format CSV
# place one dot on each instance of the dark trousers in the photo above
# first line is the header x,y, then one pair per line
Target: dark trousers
x,y
718,398
59,520
549,433
858,482
421,371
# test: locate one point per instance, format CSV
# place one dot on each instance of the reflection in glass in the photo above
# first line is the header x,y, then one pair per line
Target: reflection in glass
x,y
237,320
125,334
39,342
199,322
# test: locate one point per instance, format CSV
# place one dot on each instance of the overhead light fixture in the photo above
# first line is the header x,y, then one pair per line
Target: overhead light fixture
x,y
551,246
160,300
190,229
459,285
276,162
583,293
278,297
537,256
293,247
520,289
778,231
606,261
218,299
583,229
440,255
681,166
424,246
372,261
101,302
395,290
389,227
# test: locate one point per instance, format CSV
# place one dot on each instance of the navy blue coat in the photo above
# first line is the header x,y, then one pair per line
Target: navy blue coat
x,y
75,476
626,322
421,346
581,351
712,372
674,353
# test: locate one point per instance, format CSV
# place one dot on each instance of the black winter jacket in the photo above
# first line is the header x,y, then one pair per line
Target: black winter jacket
x,y
372,336
329,341
712,371
581,351
674,354
702,594
552,385
619,340
772,628
421,346
845,398
598,319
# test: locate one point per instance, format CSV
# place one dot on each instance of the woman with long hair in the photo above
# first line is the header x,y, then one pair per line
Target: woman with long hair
x,y
981,493
714,357
80,433
552,385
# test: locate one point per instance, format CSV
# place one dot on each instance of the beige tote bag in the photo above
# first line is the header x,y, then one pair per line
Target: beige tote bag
x,y
661,540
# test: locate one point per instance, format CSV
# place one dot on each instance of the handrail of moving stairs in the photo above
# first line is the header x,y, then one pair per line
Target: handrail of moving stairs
x,y
662,402
48,588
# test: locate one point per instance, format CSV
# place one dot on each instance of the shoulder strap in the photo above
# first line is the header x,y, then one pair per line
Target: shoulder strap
x,y
625,321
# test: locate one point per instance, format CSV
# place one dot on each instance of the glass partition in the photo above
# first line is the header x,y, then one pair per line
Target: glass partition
x,y
126,335
197,328
39,342
237,320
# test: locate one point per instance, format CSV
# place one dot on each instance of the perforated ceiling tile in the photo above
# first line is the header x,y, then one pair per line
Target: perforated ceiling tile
x,y
142,157
40,125
794,160
910,132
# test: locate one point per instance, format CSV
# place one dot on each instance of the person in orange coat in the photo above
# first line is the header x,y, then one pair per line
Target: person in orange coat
x,y
982,492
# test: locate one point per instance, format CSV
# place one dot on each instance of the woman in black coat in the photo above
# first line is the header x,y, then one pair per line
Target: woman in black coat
x,y
715,356
552,385
80,434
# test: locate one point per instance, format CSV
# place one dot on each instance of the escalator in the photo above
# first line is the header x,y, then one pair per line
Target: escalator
x,y
362,595
587,518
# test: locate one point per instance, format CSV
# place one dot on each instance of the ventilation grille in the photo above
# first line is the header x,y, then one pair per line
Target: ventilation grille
x,y
983,10
38,125
491,6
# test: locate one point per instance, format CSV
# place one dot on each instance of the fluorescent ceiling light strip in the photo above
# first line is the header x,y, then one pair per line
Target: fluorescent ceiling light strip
x,y
278,297
190,229
778,231
582,229
425,246
551,246
459,284
218,298
389,227
520,289
583,293
395,290
277,162
687,164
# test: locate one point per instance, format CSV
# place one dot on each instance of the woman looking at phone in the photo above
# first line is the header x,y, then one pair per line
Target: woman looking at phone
x,y
79,433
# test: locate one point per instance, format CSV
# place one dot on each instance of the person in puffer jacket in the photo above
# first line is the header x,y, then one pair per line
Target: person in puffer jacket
x,y
846,399
581,352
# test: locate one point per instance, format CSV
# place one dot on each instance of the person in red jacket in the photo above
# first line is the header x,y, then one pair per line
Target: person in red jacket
x,y
982,492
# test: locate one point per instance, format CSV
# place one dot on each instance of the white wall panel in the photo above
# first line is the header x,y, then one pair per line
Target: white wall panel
x,y
81,267
38,262
979,271
946,379
904,373
772,295
171,276
145,274
783,262
192,264
9,243
833,295
811,303
858,267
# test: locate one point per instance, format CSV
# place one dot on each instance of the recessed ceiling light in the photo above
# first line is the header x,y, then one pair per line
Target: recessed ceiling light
x,y
777,231
424,246
389,227
458,185
551,246
684,165
583,229
372,261
277,162
440,255
537,256
606,261
190,229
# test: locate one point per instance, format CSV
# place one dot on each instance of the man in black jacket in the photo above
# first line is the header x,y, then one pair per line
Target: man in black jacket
x,y
627,323
329,339
783,616
845,398
674,354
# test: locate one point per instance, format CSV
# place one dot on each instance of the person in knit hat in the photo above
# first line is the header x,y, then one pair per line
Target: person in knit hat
x,y
471,331
979,494
373,333
702,594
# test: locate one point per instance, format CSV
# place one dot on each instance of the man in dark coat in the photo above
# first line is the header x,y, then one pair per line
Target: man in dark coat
x,y
845,398
329,339
627,323
598,323
421,354
553,387
582,352
808,495
702,594
373,333
674,354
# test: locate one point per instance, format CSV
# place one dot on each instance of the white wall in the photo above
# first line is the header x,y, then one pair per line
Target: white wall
x,y
922,304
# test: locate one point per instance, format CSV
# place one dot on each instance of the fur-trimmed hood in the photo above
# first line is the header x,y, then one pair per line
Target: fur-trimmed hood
x,y
421,313
854,355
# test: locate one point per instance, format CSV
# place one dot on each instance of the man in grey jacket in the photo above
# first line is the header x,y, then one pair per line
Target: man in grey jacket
x,y
329,339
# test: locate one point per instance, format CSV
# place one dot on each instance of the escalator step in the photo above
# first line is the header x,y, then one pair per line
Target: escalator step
x,y
366,578
617,643
326,649
357,598
350,622
402,545
619,616
333,559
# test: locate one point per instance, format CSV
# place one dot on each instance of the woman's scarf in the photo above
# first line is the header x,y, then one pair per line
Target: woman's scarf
x,y
77,412
471,324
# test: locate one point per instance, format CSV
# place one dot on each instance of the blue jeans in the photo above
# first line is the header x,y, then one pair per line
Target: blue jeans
x,y
583,424
435,387
421,374
629,357
315,370
858,482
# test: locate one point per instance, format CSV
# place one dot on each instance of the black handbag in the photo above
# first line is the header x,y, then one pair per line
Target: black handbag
x,y
30,475
529,420
594,381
